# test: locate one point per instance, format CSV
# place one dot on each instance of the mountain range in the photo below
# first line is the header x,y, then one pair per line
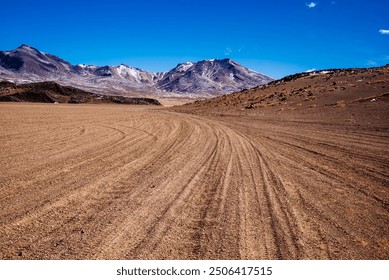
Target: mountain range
x,y
206,78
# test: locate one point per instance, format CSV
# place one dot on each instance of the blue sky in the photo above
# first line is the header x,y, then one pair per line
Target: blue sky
x,y
273,37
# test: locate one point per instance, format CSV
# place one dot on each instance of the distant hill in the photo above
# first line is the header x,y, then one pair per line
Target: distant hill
x,y
51,92
336,88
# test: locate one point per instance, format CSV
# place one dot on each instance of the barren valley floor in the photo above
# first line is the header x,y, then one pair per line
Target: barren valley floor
x,y
128,182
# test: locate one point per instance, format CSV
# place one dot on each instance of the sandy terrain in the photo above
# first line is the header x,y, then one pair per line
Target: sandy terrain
x,y
128,182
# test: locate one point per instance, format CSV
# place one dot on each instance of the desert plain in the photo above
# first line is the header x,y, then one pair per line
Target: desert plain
x,y
254,179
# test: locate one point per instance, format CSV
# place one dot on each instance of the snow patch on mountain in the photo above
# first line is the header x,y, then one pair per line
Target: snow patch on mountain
x,y
205,78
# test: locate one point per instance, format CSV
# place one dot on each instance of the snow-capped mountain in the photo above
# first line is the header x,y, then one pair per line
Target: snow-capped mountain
x,y
136,75
192,79
211,76
28,61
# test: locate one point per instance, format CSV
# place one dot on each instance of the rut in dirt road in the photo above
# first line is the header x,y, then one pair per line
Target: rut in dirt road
x,y
106,182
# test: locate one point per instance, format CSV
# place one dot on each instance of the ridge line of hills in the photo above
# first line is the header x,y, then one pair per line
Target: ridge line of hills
x,y
202,79
51,92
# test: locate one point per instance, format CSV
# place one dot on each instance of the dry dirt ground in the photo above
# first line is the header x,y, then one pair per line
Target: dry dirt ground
x,y
128,182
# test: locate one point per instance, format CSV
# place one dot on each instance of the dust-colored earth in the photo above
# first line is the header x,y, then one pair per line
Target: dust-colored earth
x,y
128,182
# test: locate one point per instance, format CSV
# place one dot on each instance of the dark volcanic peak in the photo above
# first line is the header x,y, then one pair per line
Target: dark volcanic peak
x,y
28,60
24,47
209,77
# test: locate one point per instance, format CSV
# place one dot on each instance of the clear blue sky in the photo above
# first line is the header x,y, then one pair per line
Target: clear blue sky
x,y
273,37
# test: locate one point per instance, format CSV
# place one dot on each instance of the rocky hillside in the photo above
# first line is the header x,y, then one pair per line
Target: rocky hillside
x,y
351,91
50,92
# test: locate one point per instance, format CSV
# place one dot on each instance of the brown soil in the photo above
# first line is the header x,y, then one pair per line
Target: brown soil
x,y
133,182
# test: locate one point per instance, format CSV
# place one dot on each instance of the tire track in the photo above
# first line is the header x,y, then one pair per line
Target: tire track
x,y
123,182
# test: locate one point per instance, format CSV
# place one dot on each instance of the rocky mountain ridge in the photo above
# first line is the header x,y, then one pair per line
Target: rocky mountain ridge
x,y
205,78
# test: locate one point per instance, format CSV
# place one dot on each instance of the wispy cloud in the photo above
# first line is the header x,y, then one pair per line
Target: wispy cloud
x,y
371,63
311,5
310,70
384,31
227,51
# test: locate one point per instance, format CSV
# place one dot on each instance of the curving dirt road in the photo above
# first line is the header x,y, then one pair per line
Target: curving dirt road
x,y
127,182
